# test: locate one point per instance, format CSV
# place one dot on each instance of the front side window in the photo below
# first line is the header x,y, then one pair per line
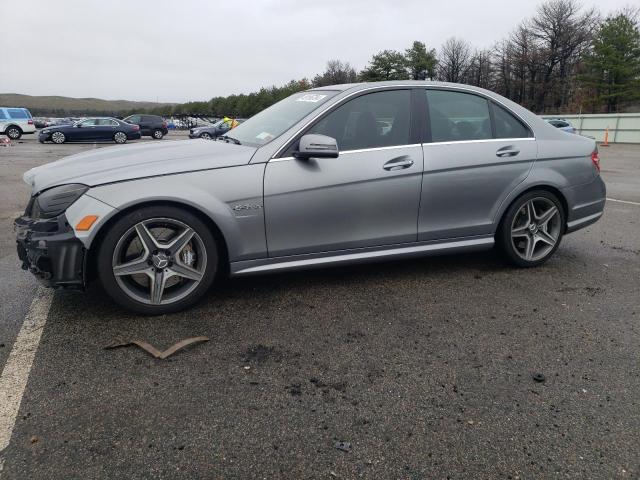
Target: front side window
x,y
133,119
18,114
508,126
380,119
280,117
2,115
457,116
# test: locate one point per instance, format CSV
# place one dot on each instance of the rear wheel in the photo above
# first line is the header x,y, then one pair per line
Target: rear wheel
x,y
13,132
157,134
158,260
120,137
58,137
532,228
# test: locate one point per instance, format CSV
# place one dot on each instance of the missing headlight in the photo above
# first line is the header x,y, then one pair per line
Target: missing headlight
x,y
56,200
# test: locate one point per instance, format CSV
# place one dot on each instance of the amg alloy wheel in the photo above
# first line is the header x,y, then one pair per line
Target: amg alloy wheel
x,y
58,137
158,260
120,137
532,228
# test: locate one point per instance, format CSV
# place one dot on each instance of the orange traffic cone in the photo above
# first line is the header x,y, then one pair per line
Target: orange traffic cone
x,y
606,138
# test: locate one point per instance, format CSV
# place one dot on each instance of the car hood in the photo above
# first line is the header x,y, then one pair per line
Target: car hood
x,y
119,163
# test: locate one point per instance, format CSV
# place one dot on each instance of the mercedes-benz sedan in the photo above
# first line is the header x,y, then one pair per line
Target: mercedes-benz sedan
x,y
334,175
101,129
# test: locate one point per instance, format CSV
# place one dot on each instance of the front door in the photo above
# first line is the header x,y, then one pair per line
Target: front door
x,y
368,196
86,130
478,153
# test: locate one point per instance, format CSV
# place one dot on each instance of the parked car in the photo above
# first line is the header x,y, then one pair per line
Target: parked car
x,y
150,125
212,131
40,122
312,181
91,130
562,125
15,122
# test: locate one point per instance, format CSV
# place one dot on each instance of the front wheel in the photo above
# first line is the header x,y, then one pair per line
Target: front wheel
x,y
58,137
205,135
531,229
158,260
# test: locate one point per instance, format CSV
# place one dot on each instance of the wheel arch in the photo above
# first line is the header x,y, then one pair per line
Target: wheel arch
x,y
8,126
542,186
91,267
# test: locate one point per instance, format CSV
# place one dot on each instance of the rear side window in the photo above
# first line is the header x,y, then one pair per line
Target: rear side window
x,y
2,115
457,116
373,120
508,126
18,113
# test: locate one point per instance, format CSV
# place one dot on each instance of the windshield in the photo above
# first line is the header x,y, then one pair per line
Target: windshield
x,y
278,118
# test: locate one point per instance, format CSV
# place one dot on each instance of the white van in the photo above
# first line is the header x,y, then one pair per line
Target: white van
x,y
15,122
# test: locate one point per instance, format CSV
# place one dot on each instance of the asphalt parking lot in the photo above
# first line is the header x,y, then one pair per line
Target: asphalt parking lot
x,y
425,367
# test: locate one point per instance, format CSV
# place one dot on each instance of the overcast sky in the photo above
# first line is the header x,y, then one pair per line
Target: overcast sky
x,y
181,50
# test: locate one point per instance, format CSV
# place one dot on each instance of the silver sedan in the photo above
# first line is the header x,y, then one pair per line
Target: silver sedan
x,y
328,176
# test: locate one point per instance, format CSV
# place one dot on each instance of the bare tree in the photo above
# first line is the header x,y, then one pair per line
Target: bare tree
x,y
336,72
454,60
481,69
563,33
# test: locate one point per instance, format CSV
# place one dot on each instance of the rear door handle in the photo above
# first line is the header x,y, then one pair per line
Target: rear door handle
x,y
398,163
507,152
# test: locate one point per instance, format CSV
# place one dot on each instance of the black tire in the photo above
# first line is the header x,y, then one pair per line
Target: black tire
x,y
117,231
157,134
509,245
13,132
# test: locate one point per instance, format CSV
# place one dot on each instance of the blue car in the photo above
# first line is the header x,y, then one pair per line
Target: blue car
x,y
101,129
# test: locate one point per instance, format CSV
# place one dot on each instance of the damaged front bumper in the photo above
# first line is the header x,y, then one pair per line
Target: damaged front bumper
x,y
49,249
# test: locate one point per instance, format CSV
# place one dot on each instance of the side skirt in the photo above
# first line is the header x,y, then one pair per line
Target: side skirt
x,y
359,255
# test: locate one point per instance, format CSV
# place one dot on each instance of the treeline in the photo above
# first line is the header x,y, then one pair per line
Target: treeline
x,y
566,58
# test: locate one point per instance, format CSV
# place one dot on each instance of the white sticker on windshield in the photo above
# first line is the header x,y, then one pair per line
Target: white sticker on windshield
x,y
264,136
311,97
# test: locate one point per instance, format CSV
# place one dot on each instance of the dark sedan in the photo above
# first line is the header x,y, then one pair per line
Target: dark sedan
x,y
212,131
103,129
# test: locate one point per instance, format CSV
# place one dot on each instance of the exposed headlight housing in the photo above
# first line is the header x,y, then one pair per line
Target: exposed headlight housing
x,y
56,200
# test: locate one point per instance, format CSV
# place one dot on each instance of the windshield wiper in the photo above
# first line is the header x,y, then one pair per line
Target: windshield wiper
x,y
226,138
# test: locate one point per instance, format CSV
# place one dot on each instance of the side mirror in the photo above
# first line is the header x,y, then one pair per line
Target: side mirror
x,y
316,146
78,125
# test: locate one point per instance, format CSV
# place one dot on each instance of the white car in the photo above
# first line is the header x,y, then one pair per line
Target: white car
x,y
15,122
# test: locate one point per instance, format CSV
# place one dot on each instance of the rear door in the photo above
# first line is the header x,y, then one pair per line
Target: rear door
x,y
475,154
105,129
146,124
368,196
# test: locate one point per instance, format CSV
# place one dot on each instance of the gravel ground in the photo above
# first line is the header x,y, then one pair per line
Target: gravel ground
x,y
425,367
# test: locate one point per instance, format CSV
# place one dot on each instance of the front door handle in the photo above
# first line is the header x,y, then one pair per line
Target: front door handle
x,y
398,163
509,151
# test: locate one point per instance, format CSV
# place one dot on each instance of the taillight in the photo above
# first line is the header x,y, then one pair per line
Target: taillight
x,y
164,124
595,158
136,128
30,122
